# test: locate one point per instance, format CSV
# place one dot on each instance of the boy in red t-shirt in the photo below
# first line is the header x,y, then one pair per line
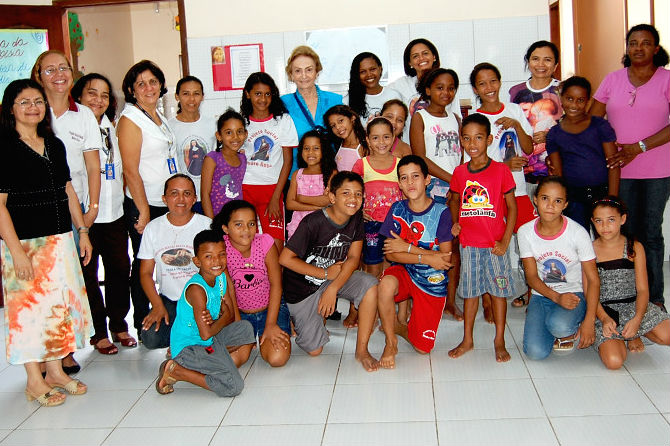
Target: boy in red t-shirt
x,y
482,194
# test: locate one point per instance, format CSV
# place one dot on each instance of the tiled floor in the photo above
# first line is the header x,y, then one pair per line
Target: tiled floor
x,y
331,400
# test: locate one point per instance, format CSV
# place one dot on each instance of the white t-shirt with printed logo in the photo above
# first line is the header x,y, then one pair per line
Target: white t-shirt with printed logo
x,y
171,247
263,148
558,258
505,143
79,131
194,141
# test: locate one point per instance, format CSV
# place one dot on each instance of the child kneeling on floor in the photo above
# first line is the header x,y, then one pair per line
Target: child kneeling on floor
x,y
207,344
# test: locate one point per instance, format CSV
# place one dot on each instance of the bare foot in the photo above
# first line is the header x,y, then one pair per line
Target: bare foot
x,y
502,355
636,345
454,311
387,361
461,349
351,320
369,363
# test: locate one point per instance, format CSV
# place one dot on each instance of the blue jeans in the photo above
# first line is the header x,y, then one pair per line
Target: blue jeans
x,y
546,321
160,339
646,200
257,320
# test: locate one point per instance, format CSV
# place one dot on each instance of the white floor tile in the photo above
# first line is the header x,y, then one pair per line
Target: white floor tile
x,y
612,430
96,409
603,395
183,407
294,435
477,365
298,371
667,417
122,375
164,436
492,399
654,359
371,403
513,432
410,367
4,433
56,437
139,353
584,362
14,409
387,434
13,379
280,405
657,388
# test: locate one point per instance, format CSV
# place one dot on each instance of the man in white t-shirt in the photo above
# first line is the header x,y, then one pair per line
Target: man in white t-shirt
x,y
167,247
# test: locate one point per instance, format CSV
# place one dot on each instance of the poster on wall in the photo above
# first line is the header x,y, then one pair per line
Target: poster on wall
x,y
232,64
19,49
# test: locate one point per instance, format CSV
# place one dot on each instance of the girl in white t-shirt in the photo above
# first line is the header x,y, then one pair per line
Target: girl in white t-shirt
x,y
556,254
194,132
269,150
366,97
345,127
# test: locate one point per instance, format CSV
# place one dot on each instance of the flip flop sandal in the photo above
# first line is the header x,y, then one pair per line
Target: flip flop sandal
x,y
566,345
520,301
168,381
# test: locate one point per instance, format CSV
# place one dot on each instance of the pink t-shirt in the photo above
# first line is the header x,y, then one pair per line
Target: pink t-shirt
x,y
309,186
250,274
637,113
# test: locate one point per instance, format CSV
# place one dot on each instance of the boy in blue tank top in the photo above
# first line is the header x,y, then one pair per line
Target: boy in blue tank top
x,y
207,344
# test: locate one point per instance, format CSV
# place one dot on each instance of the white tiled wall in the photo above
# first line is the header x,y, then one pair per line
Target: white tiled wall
x,y
461,45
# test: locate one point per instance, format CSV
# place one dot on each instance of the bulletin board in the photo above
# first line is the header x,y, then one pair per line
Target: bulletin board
x,y
19,49
232,64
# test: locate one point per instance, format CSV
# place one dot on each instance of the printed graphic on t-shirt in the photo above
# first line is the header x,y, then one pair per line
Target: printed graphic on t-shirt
x,y
194,154
262,148
553,271
446,143
412,232
323,256
476,196
508,145
176,257
227,181
247,279
177,264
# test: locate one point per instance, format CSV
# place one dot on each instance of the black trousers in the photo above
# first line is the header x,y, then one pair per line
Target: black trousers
x,y
110,242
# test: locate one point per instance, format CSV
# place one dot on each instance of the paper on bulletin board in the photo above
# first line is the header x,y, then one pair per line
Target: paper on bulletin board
x,y
232,65
19,49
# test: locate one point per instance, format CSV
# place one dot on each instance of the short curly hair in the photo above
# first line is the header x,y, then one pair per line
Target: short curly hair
x,y
303,50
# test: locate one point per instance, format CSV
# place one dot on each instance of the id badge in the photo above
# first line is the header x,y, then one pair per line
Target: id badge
x,y
109,171
172,165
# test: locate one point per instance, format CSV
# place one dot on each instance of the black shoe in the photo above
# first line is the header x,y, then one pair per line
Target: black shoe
x,y
336,316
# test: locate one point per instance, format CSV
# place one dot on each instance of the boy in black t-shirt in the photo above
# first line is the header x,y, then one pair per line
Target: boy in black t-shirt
x,y
320,262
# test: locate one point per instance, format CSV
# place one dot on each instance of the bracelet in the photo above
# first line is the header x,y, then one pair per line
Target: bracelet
x,y
642,145
420,258
325,274
409,248
82,230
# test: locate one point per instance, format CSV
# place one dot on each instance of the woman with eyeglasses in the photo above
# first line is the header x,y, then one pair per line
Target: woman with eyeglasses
x,y
149,155
47,315
108,234
75,125
636,100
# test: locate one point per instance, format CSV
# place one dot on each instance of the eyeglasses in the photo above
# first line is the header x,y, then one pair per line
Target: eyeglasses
x,y
633,95
39,103
52,70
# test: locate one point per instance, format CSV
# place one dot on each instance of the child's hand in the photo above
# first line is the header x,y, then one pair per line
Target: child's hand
x,y
273,208
609,327
206,317
279,338
587,334
630,329
334,270
499,248
569,301
456,229
395,244
366,216
540,137
550,167
506,123
327,302
516,163
439,261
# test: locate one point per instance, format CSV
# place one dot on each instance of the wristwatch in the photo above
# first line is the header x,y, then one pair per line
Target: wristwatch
x,y
643,146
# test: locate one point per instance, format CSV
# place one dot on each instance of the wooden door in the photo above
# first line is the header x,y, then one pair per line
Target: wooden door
x,y
600,33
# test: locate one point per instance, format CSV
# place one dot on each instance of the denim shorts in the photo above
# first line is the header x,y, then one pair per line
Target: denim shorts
x,y
257,320
373,251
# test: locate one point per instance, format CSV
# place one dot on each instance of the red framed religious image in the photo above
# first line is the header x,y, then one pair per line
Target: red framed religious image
x,y
232,64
